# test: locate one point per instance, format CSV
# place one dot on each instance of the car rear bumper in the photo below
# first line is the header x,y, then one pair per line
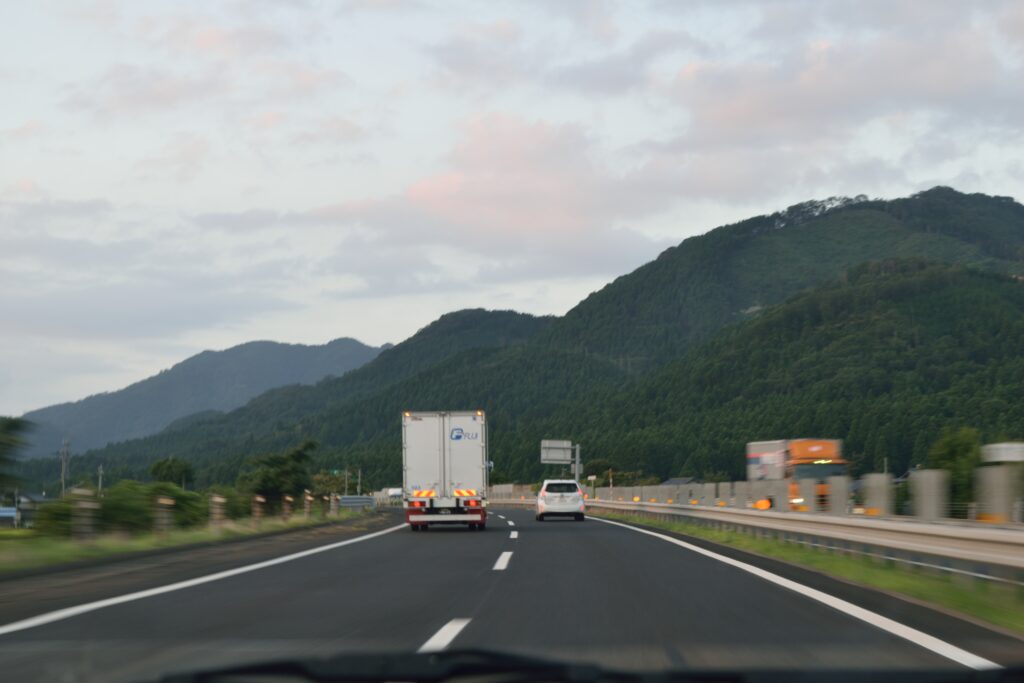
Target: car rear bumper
x,y
561,510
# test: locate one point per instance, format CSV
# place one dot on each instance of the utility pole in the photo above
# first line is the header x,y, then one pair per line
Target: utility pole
x,y
576,469
65,455
359,486
100,492
346,480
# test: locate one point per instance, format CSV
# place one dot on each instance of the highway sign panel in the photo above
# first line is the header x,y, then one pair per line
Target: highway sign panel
x,y
555,452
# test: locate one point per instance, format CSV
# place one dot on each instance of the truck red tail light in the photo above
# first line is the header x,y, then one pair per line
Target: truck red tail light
x,y
417,504
471,503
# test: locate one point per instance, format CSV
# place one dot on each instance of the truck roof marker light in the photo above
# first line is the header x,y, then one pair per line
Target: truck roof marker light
x,y
407,414
480,413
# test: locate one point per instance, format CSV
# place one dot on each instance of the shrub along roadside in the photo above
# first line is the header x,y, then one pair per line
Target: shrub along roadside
x,y
998,605
129,507
40,550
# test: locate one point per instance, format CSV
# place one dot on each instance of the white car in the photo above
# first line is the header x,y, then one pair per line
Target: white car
x,y
560,498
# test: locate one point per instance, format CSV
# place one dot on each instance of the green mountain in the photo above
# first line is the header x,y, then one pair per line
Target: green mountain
x,y
208,382
672,368
276,418
646,318
885,359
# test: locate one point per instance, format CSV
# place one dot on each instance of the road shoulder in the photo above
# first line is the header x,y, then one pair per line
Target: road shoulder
x,y
47,591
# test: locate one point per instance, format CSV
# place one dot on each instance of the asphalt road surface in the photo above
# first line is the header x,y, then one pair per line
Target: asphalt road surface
x,y
589,591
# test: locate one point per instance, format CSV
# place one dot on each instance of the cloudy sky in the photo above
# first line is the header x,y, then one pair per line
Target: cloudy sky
x,y
176,176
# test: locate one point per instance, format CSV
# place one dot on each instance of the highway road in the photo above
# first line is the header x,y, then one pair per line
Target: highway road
x,y
591,591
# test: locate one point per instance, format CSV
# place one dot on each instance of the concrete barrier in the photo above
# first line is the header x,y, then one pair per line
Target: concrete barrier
x,y
724,494
929,494
839,495
740,494
809,492
878,495
995,492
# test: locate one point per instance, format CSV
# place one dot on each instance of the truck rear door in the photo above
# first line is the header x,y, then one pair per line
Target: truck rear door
x,y
424,443
466,449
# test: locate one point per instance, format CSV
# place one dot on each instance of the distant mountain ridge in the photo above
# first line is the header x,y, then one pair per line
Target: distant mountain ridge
x,y
618,353
207,382
646,318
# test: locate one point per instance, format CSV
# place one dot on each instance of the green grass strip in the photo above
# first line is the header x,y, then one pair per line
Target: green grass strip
x,y
28,550
986,601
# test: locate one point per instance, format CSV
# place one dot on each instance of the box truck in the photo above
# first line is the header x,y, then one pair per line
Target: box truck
x,y
444,468
794,460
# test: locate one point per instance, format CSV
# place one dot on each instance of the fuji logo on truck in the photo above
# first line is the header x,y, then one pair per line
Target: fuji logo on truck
x,y
458,434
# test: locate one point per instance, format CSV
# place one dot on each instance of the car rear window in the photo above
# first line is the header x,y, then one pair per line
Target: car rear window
x,y
561,488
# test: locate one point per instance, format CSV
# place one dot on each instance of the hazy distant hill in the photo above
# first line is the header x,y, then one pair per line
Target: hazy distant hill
x,y
209,381
273,418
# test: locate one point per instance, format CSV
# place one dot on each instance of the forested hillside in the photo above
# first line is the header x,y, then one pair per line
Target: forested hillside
x,y
671,369
884,359
208,381
276,418
646,318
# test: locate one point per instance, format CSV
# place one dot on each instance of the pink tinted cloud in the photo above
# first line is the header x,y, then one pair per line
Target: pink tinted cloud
x,y
331,130
181,158
287,78
206,36
267,119
128,88
510,176
827,89
29,129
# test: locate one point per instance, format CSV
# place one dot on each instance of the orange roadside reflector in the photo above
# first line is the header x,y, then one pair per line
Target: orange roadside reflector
x,y
763,504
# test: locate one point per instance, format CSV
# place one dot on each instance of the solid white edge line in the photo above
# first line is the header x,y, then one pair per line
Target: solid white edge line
x,y
68,612
502,563
444,636
513,534
939,647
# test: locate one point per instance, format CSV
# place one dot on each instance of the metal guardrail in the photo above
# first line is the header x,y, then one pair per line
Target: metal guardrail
x,y
991,554
356,501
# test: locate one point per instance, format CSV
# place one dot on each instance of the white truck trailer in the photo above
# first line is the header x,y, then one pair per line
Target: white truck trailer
x,y
444,468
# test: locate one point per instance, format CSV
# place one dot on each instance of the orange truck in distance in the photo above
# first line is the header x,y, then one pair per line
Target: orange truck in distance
x,y
793,460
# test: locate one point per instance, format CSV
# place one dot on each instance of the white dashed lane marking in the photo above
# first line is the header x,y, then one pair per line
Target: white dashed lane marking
x,y
502,563
446,635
